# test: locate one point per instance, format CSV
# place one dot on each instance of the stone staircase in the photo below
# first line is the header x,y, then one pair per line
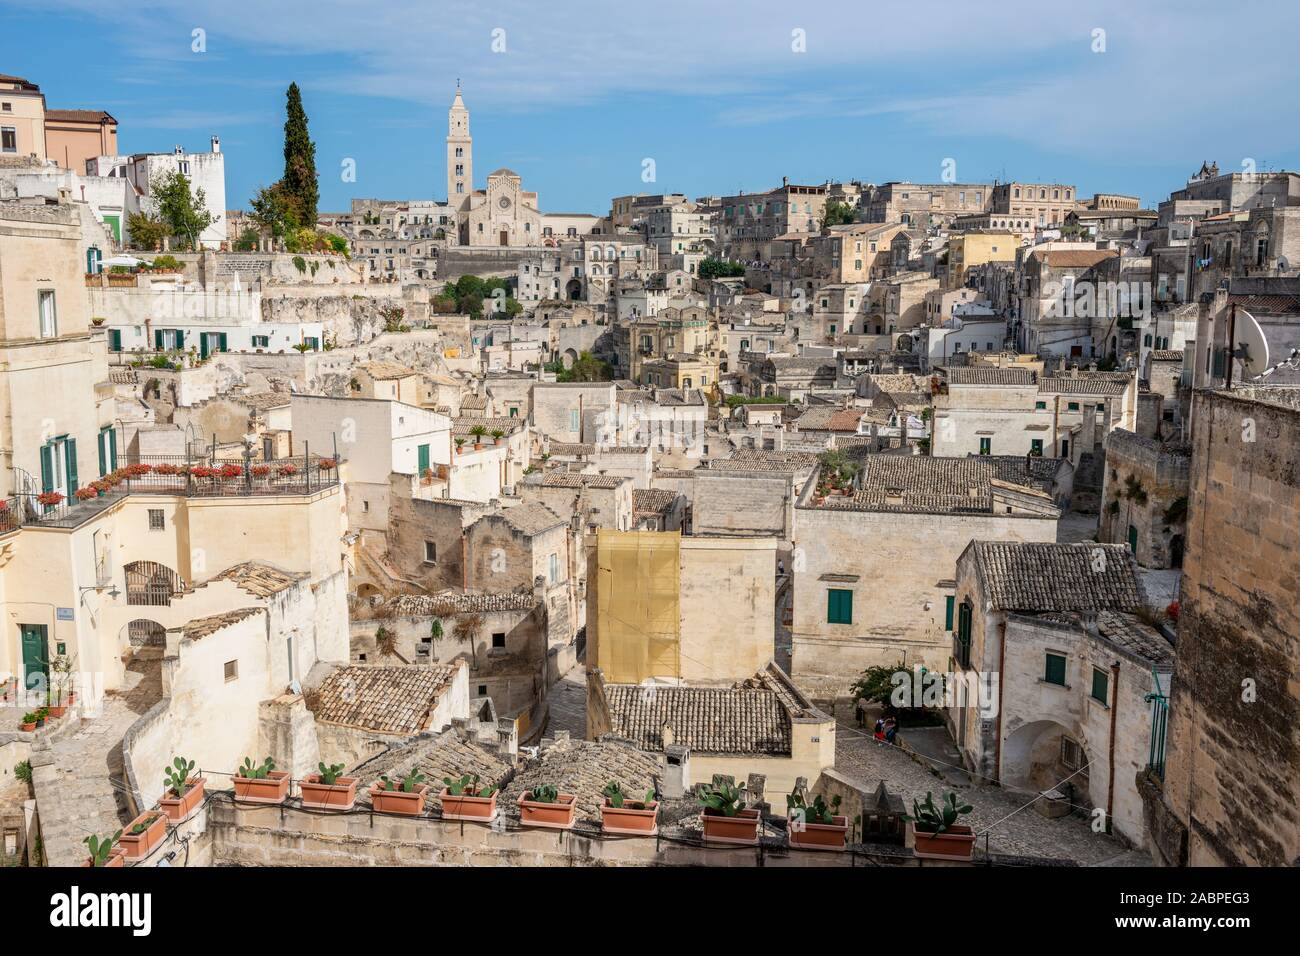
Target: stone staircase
x,y
78,779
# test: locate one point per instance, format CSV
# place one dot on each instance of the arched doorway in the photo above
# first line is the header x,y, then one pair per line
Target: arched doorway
x,y
1040,754
143,632
569,357
574,289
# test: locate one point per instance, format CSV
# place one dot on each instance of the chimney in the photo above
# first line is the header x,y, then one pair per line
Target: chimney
x,y
216,144
177,150
676,780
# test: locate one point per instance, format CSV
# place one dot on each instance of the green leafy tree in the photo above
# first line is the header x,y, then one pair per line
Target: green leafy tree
x,y
182,209
299,160
720,269
838,214
145,231
587,368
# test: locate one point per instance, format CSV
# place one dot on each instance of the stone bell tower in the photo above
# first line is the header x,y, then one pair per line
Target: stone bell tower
x,y
460,155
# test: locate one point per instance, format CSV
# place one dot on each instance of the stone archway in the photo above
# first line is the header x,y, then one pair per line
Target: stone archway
x,y
1038,755
143,632
569,357
573,290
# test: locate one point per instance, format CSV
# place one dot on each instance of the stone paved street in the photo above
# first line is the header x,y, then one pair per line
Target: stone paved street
x,y
78,781
568,704
1026,833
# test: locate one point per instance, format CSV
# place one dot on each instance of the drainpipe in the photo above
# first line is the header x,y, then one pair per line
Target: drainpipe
x,y
1114,715
464,562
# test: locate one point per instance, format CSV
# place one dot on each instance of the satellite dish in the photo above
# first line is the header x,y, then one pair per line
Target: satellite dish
x,y
1251,346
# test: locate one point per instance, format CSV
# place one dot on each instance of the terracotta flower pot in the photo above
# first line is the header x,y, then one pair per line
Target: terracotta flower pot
x,y
626,820
57,711
179,809
821,836
272,788
956,843
557,816
27,728
340,795
464,807
742,829
136,846
116,858
399,801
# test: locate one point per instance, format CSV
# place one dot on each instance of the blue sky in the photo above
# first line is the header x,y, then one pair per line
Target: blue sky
x,y
722,100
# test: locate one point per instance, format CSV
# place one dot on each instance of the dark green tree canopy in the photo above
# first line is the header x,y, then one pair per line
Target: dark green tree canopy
x,y
300,186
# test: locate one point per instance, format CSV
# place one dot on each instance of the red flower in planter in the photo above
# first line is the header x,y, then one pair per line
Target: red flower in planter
x,y
49,498
232,471
261,471
203,471
168,469
85,494
1172,610
287,470
136,470
327,464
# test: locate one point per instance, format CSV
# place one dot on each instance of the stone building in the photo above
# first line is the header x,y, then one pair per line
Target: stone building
x,y
1052,666
1144,495
1223,790
873,568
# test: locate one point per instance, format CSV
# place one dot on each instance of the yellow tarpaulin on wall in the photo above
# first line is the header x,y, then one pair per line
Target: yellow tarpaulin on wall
x,y
638,592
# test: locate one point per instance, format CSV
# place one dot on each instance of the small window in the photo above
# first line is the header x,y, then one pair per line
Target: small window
x,y
986,446
499,639
1073,406
1040,405
839,606
365,507
1100,685
1036,447
554,568
482,690
1054,670
156,522
430,552
232,671
1071,754
48,316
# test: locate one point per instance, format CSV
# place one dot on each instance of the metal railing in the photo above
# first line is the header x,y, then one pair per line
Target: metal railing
x,y
198,476
1159,725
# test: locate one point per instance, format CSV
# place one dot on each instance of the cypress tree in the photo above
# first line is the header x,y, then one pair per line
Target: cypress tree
x,y
299,160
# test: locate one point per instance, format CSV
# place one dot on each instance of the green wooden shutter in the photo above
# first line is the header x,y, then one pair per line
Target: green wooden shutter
x,y
103,452
949,601
204,338
1100,688
158,339
1054,671
839,606
70,460
47,467
424,458
112,449
224,343
115,340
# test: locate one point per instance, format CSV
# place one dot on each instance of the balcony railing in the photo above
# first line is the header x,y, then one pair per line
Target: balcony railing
x,y
193,477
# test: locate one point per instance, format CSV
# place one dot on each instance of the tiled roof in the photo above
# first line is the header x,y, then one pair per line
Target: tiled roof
x,y
1035,471
1268,304
260,580
583,768
570,449
1083,385
531,518
652,501
569,479
1075,258
123,375
753,459
202,627
79,116
462,426
988,375
1133,634
473,401
920,483
1167,355
386,371
1041,576
390,700
443,755
459,602
752,717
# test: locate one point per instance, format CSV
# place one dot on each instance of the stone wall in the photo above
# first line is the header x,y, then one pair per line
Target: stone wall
x,y
743,504
1158,513
1233,756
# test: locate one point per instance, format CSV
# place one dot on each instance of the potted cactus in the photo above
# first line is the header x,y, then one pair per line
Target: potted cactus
x,y
545,806
463,799
104,851
405,797
261,783
143,834
725,818
184,793
621,815
816,827
328,789
938,836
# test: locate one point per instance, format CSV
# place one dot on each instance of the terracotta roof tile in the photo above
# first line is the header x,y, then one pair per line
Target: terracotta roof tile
x,y
391,700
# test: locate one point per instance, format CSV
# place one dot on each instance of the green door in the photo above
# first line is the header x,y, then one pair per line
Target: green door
x,y
70,464
36,665
424,458
1133,539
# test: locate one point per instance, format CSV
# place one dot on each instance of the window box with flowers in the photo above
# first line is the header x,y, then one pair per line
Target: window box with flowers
x,y
50,498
